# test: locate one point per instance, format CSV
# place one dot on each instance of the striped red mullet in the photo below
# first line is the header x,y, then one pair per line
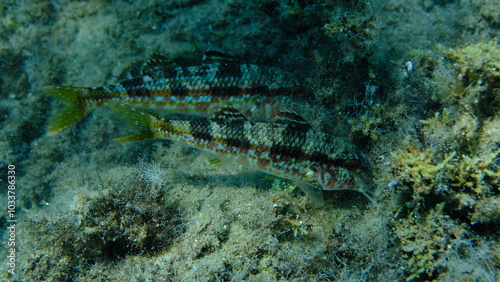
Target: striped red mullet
x,y
257,91
288,148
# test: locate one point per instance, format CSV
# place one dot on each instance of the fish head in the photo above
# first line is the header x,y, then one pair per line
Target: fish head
x,y
352,172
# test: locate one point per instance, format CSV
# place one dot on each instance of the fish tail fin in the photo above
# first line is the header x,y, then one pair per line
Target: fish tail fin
x,y
74,111
136,119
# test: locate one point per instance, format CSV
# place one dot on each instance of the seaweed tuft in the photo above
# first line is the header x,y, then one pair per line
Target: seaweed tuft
x,y
110,222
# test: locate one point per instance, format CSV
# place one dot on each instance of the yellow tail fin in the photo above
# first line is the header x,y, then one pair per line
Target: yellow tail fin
x,y
72,113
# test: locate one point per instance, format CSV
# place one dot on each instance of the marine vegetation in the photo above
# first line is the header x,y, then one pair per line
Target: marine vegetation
x,y
449,178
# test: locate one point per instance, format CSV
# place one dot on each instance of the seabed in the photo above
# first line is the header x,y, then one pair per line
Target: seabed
x,y
414,84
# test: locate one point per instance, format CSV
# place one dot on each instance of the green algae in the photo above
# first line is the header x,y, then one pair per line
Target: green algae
x,y
479,61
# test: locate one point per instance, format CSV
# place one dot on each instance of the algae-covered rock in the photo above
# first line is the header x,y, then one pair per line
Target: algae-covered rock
x,y
479,61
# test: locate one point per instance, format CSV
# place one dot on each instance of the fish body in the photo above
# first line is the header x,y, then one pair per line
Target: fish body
x,y
255,90
287,148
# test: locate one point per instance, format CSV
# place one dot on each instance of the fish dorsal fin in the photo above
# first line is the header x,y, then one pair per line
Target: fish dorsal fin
x,y
157,63
228,114
216,57
292,118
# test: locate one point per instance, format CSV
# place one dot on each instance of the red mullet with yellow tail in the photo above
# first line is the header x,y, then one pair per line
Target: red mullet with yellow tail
x,y
256,91
287,148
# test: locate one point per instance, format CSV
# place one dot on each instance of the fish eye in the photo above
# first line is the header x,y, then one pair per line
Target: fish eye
x,y
353,165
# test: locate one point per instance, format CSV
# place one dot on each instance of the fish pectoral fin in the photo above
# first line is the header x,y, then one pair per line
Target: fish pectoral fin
x,y
281,184
314,194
